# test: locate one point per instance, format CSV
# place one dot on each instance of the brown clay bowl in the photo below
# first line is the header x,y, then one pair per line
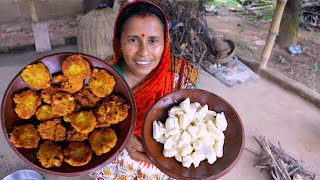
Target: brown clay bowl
x,y
124,129
234,136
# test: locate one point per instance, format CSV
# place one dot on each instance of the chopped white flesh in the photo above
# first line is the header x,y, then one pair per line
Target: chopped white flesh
x,y
211,156
197,158
169,143
170,152
157,130
212,113
170,123
215,132
193,130
186,149
195,105
202,112
191,133
174,110
218,147
187,161
184,121
221,122
178,157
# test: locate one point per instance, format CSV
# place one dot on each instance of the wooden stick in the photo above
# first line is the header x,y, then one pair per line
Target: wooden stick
x,y
273,31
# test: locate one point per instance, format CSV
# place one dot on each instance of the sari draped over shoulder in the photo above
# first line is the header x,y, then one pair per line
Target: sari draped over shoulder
x,y
171,74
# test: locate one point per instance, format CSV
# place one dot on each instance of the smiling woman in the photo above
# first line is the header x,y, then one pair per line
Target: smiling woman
x,y
142,56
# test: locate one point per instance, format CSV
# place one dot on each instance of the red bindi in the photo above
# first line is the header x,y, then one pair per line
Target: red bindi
x,y
142,35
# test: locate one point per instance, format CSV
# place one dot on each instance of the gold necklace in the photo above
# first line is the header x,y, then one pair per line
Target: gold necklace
x,y
131,75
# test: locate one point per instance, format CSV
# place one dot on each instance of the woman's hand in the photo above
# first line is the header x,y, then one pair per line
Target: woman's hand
x,y
136,151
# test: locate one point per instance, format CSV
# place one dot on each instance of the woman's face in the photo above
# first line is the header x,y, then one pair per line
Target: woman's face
x,y
142,44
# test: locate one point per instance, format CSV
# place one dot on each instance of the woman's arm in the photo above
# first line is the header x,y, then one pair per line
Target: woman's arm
x,y
136,150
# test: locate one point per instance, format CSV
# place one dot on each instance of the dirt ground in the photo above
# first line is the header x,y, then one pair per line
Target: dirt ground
x,y
58,30
250,35
247,32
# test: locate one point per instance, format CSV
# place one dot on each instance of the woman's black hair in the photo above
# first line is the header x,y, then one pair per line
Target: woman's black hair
x,y
140,8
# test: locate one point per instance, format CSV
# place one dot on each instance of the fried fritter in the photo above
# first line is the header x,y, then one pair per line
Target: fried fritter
x,y
62,104
52,130
72,86
59,78
50,154
77,107
46,94
101,83
113,110
37,76
73,135
77,154
75,67
25,136
44,112
26,103
86,98
102,140
83,121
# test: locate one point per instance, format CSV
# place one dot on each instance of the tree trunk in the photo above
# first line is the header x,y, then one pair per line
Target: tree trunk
x,y
288,34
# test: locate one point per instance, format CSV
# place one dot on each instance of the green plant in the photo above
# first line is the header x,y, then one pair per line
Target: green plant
x,y
281,60
258,14
224,3
303,48
246,45
315,69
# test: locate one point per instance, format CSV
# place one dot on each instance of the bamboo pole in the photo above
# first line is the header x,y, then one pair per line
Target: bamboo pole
x,y
273,31
33,11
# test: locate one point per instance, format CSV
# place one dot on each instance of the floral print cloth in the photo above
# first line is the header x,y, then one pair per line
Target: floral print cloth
x,y
124,168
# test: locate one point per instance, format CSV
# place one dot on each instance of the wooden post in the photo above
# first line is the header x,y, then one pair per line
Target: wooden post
x,y
34,15
40,30
273,31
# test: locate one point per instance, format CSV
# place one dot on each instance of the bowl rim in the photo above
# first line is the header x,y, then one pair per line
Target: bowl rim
x,y
172,174
70,174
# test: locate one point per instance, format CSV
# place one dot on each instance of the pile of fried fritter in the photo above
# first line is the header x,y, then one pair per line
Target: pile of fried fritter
x,y
68,111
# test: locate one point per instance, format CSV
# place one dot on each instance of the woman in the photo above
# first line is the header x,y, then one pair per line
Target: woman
x,y
142,56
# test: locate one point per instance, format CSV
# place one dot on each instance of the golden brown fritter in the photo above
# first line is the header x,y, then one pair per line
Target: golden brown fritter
x,y
101,83
52,130
86,98
60,78
37,76
113,110
73,135
83,121
50,154
72,86
26,103
77,154
75,67
25,136
62,104
102,140
46,94
44,112
77,107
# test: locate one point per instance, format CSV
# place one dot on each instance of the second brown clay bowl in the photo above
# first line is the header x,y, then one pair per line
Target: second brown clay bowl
x,y
234,136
